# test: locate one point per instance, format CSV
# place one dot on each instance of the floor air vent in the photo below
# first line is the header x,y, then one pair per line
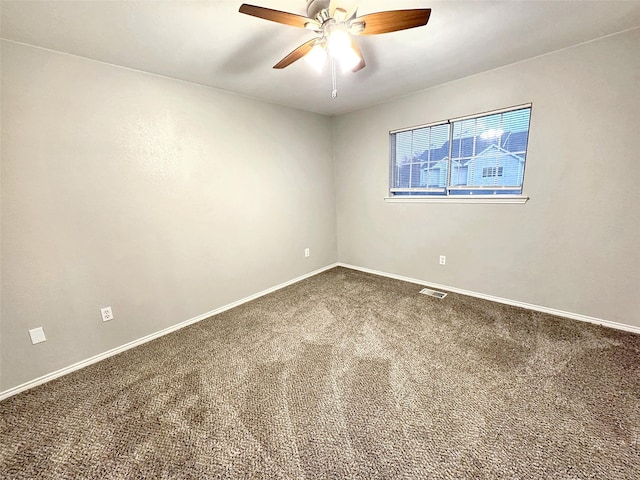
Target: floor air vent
x,y
433,293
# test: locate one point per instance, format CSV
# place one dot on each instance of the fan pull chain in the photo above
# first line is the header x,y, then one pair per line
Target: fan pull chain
x,y
334,80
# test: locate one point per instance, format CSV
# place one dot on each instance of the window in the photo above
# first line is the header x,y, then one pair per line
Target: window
x,y
482,154
492,171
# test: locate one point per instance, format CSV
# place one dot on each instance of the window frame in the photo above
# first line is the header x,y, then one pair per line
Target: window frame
x,y
443,194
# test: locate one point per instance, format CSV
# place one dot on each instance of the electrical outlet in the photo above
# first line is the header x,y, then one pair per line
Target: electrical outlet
x,y
443,260
307,252
106,313
37,335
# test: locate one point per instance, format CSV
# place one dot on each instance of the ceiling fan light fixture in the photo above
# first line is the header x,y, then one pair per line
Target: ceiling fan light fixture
x,y
349,58
316,57
338,42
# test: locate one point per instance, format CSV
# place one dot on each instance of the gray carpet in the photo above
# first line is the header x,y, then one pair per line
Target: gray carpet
x,y
344,375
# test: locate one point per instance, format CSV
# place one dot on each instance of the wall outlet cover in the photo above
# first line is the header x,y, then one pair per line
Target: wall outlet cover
x,y
37,335
106,313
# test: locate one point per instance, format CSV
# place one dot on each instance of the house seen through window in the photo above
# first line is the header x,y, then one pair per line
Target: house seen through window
x,y
477,155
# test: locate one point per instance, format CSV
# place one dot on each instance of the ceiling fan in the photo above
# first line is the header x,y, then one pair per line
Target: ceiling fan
x,y
335,22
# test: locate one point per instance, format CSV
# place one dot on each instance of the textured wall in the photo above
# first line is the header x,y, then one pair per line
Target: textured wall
x,y
574,245
160,198
166,200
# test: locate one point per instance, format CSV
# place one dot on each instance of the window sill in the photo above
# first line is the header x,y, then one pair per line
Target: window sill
x,y
460,199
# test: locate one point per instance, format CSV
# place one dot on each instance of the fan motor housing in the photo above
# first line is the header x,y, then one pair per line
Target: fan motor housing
x,y
314,7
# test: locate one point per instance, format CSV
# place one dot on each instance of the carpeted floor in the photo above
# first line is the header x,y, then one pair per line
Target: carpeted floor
x,y
344,375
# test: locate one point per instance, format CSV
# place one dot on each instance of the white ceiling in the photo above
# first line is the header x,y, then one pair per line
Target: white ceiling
x,y
210,43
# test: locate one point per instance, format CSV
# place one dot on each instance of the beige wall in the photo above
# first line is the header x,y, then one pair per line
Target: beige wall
x,y
574,246
160,198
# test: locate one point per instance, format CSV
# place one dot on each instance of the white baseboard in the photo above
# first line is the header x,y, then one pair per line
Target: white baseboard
x,y
515,303
114,351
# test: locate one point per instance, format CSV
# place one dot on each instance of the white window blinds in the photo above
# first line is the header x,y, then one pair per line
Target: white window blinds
x,y
483,154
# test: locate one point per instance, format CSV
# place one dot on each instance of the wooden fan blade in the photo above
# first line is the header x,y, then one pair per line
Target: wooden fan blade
x,y
278,16
297,54
349,6
392,21
356,48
